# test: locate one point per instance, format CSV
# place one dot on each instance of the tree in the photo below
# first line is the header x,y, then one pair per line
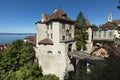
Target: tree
x,y
49,77
17,63
109,71
80,31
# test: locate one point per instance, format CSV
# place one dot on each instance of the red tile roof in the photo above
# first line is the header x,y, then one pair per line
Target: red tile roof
x,y
46,41
113,49
58,14
116,21
4,46
87,22
32,39
111,25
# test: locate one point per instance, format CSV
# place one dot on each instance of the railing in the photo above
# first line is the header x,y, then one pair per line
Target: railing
x,y
67,40
83,55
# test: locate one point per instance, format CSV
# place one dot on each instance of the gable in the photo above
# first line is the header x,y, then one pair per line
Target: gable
x,y
101,52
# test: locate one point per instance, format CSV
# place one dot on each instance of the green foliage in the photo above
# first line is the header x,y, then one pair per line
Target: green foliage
x,y
107,71
80,31
17,63
102,42
110,71
49,77
112,68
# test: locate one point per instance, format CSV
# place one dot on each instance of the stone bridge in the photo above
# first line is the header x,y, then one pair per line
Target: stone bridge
x,y
80,55
80,58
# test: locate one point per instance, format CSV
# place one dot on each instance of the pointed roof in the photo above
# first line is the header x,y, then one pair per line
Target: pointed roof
x,y
111,48
57,15
87,22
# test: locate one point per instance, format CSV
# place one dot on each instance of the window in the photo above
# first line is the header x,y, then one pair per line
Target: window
x,y
51,36
51,25
104,33
95,33
69,36
63,26
47,35
63,37
59,52
110,34
49,52
99,33
70,26
67,31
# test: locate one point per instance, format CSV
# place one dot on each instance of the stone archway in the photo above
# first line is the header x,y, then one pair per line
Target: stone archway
x,y
69,47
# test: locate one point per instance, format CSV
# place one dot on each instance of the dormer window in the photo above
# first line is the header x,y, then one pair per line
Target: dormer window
x,y
64,15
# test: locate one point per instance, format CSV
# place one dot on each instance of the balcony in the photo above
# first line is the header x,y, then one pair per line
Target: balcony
x,y
67,40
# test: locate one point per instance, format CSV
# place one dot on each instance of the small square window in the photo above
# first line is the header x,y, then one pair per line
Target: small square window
x,y
51,25
63,37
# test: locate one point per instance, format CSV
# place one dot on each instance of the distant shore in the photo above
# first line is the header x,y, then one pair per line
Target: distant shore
x,y
17,33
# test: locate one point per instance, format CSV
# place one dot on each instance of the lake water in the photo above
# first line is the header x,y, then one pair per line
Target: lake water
x,y
10,38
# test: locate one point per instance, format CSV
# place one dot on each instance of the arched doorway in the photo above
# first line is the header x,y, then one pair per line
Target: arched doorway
x,y
70,47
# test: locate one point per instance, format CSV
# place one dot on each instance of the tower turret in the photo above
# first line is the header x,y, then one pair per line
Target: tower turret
x,y
110,17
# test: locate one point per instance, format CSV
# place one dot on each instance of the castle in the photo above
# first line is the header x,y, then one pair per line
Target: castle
x,y
54,39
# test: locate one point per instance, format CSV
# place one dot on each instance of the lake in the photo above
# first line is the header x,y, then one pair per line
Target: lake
x,y
10,38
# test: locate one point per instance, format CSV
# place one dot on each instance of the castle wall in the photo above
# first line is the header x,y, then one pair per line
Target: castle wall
x,y
40,32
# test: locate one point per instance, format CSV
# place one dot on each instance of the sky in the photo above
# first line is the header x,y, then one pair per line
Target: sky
x,y
20,16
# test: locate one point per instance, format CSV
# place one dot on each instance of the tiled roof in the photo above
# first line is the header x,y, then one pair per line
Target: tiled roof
x,y
111,25
47,17
46,41
4,46
110,48
116,21
58,14
32,39
87,22
113,49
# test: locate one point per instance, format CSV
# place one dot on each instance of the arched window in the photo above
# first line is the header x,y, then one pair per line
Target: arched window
x,y
49,52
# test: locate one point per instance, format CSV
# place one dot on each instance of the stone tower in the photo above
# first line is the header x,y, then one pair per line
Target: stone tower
x,y
110,17
54,39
